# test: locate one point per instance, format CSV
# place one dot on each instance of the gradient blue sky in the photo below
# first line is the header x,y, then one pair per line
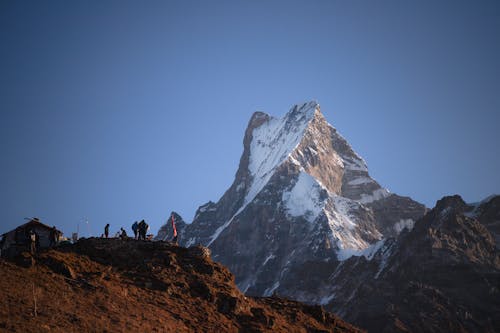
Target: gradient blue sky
x,y
118,111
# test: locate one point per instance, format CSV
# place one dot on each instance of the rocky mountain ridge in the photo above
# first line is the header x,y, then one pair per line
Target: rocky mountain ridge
x,y
442,276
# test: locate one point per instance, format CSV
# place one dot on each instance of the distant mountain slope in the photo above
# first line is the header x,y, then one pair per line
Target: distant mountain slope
x,y
109,285
442,276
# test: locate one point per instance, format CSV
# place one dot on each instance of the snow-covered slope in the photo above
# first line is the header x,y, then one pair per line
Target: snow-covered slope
x,y
272,144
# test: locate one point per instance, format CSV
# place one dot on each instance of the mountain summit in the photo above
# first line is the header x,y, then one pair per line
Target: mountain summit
x,y
301,194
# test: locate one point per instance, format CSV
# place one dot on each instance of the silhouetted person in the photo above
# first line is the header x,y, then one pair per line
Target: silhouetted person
x,y
143,228
123,234
53,236
135,229
32,241
106,231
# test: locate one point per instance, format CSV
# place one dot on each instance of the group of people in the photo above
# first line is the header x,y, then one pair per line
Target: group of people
x,y
139,228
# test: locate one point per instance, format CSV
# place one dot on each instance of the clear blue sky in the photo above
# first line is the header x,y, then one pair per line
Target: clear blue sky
x,y
118,111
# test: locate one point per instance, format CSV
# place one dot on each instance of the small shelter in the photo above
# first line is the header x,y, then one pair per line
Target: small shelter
x,y
17,240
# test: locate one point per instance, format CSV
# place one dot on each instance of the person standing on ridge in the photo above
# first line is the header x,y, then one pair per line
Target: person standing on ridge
x,y
53,236
32,240
146,229
106,231
123,234
135,228
141,229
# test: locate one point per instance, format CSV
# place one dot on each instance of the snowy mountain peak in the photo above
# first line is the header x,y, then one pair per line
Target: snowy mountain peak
x,y
306,110
300,193
272,142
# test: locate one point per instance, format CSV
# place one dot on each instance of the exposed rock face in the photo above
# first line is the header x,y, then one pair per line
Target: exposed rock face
x,y
488,213
300,194
443,276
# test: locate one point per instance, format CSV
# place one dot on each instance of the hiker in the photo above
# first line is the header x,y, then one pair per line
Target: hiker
x,y
135,228
53,237
123,235
32,241
106,231
144,232
139,230
143,228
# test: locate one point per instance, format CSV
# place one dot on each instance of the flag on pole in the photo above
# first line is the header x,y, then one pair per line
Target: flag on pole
x,y
173,226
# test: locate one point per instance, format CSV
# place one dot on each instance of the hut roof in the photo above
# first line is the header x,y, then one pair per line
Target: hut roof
x,y
34,222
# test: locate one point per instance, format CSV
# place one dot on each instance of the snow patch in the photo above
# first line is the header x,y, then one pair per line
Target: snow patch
x,y
343,225
355,165
360,181
269,257
304,198
386,253
474,206
344,254
404,224
368,253
190,241
240,186
220,229
344,207
376,195
327,299
269,291
205,208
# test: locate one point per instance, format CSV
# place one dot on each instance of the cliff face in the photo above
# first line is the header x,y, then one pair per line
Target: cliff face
x,y
110,285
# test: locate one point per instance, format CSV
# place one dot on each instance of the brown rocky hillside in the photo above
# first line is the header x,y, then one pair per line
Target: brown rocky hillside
x,y
110,285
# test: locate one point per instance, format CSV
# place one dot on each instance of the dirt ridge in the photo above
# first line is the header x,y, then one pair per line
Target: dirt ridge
x,y
113,285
